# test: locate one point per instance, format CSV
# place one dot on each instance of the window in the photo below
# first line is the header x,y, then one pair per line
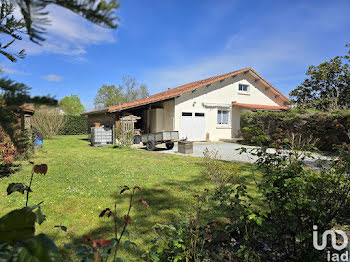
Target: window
x,y
222,117
243,88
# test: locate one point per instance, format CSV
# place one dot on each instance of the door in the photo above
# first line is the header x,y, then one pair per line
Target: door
x,y
193,126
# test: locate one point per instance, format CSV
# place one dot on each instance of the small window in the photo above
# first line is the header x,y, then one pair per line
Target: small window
x,y
243,88
199,114
222,118
186,114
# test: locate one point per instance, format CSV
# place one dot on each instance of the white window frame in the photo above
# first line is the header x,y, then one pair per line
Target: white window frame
x,y
228,125
242,92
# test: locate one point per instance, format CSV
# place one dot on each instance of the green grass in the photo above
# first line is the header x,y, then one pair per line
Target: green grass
x,y
83,180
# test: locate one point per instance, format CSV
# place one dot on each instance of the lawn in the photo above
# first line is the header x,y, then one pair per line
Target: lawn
x,y
83,180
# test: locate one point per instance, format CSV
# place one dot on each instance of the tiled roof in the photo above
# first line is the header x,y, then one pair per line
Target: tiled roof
x,y
181,90
254,106
27,108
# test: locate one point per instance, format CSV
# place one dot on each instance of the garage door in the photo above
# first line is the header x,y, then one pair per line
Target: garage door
x,y
193,126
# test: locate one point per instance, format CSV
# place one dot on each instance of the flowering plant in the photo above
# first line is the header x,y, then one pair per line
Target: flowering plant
x,y
7,150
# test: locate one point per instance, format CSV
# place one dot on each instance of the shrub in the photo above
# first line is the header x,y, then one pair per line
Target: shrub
x,y
7,149
48,121
274,225
327,129
124,136
7,153
183,241
219,172
74,125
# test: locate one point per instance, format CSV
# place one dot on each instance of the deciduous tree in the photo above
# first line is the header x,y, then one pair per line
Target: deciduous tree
x,y
129,90
109,95
71,105
132,89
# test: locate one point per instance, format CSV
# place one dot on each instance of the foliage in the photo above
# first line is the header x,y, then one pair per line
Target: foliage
x,y
34,14
48,121
327,86
129,90
89,177
108,95
326,129
17,228
124,136
297,198
275,225
101,249
71,105
133,90
183,241
12,96
74,125
220,173
11,26
7,152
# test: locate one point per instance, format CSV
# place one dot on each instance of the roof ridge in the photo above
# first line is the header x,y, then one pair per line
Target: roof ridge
x,y
181,89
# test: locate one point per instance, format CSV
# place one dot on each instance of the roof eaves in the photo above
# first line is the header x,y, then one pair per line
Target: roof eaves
x,y
141,104
274,88
97,111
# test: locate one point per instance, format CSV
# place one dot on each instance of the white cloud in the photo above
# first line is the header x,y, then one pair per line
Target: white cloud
x,y
53,78
67,34
12,71
265,57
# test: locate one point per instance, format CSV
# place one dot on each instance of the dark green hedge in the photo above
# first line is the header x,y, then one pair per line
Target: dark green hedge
x,y
75,125
328,129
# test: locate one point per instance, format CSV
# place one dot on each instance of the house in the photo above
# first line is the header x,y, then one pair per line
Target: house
x,y
204,110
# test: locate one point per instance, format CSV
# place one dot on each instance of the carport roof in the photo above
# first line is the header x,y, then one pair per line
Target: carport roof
x,y
174,92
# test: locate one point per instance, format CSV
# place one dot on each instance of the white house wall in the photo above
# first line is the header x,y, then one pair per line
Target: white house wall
x,y
222,94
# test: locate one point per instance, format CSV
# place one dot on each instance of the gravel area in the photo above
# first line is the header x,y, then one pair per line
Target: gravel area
x,y
227,152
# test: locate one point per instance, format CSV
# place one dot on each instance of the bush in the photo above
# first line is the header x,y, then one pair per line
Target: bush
x,y
74,125
48,121
7,153
220,173
327,129
124,136
274,225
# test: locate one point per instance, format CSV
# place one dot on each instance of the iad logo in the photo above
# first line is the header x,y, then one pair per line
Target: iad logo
x,y
332,256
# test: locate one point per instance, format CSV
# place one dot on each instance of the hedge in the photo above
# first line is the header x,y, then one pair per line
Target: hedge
x,y
327,129
75,125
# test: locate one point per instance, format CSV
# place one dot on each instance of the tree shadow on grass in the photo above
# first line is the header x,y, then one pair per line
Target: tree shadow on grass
x,y
165,205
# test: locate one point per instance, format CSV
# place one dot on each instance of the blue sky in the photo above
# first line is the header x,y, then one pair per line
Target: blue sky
x,y
167,43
